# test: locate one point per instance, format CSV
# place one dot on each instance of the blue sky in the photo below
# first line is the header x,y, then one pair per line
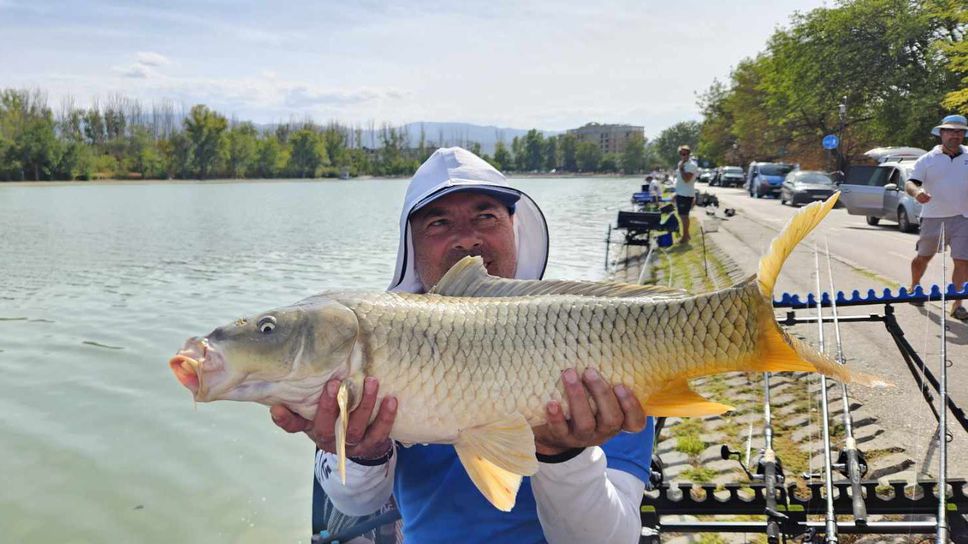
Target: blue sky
x,y
551,65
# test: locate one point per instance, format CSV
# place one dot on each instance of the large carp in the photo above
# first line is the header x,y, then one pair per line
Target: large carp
x,y
474,362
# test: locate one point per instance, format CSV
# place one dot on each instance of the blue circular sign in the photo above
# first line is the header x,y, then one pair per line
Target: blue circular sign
x,y
831,141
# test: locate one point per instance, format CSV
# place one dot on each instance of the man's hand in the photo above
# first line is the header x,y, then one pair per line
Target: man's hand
x,y
922,196
364,440
617,410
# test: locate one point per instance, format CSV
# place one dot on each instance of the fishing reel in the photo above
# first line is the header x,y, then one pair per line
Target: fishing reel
x,y
727,454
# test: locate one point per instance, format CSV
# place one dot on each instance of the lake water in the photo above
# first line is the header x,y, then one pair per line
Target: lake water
x,y
101,284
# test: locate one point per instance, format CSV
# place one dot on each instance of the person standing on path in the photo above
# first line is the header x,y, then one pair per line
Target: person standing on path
x,y
686,172
939,181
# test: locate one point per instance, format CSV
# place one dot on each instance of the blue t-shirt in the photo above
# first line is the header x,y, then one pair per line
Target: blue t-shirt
x,y
439,503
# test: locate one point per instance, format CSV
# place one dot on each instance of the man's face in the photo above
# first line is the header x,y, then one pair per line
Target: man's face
x,y
461,224
952,138
683,154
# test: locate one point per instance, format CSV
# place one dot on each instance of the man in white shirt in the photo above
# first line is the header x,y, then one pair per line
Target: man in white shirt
x,y
939,181
686,172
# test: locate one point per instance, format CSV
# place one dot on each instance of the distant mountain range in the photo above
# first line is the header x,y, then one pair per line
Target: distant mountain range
x,y
450,134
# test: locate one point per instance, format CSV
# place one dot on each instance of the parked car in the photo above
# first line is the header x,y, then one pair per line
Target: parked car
x,y
806,186
728,176
882,196
765,178
705,175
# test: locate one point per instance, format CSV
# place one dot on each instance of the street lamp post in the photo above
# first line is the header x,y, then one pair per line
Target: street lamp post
x,y
842,109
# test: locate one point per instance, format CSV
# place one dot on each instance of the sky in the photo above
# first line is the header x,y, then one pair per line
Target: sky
x,y
551,65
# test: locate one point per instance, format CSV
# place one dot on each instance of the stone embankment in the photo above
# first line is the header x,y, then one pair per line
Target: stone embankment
x,y
690,448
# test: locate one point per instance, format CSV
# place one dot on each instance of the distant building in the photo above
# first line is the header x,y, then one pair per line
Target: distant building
x,y
609,138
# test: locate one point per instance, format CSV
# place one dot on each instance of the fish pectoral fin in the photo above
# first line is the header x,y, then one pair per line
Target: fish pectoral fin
x,y
496,456
676,399
342,422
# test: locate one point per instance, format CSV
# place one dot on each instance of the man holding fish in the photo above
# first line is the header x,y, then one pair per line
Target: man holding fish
x,y
458,205
483,368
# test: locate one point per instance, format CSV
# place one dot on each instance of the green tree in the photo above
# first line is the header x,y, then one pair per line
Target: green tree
x,y
668,142
568,143
144,156
271,157
609,163
633,156
552,160
533,150
588,156
308,153
205,130
502,157
241,148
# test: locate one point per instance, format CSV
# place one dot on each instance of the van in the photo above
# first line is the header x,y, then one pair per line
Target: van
x,y
765,178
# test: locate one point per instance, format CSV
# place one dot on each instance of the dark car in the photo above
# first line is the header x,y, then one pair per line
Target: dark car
x,y
765,178
805,186
728,176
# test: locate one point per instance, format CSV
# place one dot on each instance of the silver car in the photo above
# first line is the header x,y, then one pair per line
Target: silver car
x,y
883,196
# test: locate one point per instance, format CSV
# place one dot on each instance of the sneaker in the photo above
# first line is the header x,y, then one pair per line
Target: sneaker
x,y
960,313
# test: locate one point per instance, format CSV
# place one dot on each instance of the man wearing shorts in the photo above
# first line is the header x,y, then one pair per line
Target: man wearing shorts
x,y
939,181
686,172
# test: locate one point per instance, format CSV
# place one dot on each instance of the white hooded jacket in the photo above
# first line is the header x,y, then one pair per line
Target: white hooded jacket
x,y
454,169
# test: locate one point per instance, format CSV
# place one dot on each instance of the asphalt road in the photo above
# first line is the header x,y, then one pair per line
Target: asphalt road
x,y
863,257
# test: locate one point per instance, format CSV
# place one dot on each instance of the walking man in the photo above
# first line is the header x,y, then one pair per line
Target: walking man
x,y
939,181
686,172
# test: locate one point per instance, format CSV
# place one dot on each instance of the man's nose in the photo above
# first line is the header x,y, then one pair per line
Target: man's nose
x,y
466,237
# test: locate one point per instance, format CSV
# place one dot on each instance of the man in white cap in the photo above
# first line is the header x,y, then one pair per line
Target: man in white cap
x,y
458,205
686,172
939,181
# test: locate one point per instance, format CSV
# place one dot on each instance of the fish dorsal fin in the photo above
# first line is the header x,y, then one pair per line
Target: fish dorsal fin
x,y
676,399
469,278
496,456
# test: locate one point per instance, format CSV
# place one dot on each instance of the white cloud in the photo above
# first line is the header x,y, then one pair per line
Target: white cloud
x,y
136,70
150,58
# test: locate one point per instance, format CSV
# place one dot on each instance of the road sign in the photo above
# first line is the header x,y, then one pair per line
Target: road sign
x,y
831,141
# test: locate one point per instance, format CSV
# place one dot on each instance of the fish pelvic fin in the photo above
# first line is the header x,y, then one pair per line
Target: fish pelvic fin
x,y
676,399
796,229
342,422
496,456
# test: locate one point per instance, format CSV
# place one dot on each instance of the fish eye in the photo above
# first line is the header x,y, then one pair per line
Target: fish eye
x,y
267,324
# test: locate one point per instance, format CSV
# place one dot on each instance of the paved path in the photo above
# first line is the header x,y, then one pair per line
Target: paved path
x,y
864,257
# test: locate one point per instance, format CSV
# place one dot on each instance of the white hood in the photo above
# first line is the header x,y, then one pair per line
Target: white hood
x,y
455,169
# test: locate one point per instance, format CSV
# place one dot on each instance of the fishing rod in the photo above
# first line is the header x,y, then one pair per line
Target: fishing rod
x,y
851,461
830,534
770,469
942,489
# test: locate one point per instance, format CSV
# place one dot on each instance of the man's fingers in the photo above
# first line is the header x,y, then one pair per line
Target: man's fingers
x,y
360,417
635,419
582,419
324,425
287,420
555,432
376,440
610,416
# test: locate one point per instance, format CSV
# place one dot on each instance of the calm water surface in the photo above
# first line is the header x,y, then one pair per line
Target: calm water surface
x,y
101,284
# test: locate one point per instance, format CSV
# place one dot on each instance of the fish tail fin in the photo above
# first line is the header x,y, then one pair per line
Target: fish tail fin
x,y
782,246
780,352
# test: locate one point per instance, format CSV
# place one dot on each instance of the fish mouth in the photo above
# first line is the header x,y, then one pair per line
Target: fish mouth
x,y
192,362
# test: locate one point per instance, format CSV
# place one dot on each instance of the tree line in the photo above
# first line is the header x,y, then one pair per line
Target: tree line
x,y
122,139
873,72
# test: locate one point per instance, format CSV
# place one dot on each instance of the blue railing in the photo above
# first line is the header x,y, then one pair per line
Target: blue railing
x,y
794,301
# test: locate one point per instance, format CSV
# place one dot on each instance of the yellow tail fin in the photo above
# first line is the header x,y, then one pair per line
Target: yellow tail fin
x,y
782,246
778,350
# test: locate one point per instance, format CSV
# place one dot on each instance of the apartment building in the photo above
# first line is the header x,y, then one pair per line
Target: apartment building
x,y
610,138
